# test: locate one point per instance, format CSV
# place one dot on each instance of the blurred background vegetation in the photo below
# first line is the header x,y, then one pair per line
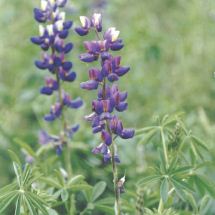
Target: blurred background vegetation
x,y
170,46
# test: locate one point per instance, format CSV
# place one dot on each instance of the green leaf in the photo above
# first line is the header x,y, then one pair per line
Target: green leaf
x,y
199,142
25,146
76,179
192,202
52,211
51,182
8,200
105,201
26,174
139,132
181,183
206,184
98,189
18,173
148,179
164,188
7,188
17,208
146,137
30,205
64,195
204,204
106,209
181,170
37,202
80,187
14,157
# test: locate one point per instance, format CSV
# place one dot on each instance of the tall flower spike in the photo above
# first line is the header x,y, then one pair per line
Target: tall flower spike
x,y
53,30
110,98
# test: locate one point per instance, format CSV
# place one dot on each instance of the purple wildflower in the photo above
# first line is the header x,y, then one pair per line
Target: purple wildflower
x,y
110,98
53,30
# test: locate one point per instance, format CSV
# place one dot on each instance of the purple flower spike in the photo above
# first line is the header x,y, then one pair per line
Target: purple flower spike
x,y
109,99
51,39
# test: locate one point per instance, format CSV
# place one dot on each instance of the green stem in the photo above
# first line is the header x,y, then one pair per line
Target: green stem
x,y
64,125
161,205
115,181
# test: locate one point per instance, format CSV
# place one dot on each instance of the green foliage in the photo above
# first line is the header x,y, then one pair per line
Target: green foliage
x,y
26,197
170,48
178,171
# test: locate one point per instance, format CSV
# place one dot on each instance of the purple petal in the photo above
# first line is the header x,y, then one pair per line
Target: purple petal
x,y
97,106
127,133
46,90
68,48
86,57
76,103
36,40
59,150
116,46
122,71
67,65
89,85
43,137
63,34
106,137
41,64
49,117
38,15
113,77
82,31
121,106
67,25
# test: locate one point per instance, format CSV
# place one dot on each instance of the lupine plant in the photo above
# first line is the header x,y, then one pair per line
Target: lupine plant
x,y
179,173
171,165
109,97
54,29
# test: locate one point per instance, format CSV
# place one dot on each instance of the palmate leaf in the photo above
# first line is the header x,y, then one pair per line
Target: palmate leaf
x,y
98,189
